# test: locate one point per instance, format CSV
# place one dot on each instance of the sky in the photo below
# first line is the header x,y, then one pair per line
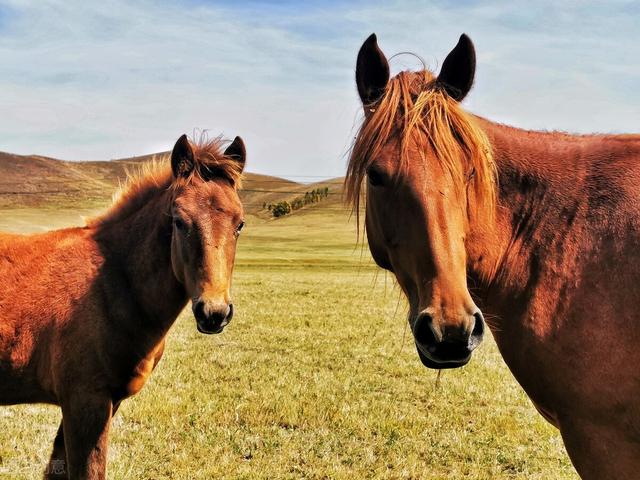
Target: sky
x,y
94,80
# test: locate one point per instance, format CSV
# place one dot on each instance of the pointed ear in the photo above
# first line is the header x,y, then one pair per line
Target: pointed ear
x,y
458,69
182,158
372,71
237,151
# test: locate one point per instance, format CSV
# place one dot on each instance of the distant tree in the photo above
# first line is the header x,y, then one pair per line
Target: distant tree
x,y
281,208
284,208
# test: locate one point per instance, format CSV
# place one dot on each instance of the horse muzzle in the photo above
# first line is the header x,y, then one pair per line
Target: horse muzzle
x,y
212,318
449,347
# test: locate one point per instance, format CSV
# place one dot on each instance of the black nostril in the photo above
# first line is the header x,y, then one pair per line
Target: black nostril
x,y
229,313
423,330
478,326
198,311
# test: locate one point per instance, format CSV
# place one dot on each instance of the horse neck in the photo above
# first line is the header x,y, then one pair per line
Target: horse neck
x,y
540,178
137,249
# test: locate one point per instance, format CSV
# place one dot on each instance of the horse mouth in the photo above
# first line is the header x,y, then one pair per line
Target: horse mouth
x,y
210,331
444,356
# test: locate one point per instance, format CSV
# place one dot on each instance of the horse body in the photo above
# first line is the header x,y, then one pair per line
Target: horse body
x,y
66,290
84,311
541,230
566,287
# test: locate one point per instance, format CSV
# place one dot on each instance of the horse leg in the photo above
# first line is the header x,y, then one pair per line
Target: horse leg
x,y
85,427
57,466
600,452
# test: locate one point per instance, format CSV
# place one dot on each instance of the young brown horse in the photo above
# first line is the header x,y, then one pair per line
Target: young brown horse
x,y
546,226
84,311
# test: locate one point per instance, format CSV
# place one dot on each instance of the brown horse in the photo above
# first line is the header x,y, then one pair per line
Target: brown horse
x,y
84,311
544,226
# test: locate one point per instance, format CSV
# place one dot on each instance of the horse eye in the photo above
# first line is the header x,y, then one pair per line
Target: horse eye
x,y
375,179
180,225
240,227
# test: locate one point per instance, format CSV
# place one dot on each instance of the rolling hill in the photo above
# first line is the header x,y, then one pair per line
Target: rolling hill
x,y
30,181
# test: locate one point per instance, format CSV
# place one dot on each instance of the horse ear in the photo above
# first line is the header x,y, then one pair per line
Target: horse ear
x,y
458,69
182,158
237,151
372,71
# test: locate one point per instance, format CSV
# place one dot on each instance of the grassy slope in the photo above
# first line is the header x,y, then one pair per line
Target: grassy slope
x,y
316,377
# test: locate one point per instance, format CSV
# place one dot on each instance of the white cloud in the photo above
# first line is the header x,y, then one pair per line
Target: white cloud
x,y
111,79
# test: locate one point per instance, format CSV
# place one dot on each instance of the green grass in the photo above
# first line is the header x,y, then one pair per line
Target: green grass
x,y
316,377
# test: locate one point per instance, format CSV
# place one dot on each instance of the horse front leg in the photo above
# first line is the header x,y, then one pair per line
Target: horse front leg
x,y
83,437
57,467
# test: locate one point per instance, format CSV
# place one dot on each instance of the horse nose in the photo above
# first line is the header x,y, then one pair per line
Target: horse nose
x,y
212,317
425,332
468,332
477,332
448,342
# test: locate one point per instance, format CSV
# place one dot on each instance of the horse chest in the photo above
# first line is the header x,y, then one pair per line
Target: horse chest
x,y
139,378
523,352
142,371
547,414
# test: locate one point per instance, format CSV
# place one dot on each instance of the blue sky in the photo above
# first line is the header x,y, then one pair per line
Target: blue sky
x,y
99,80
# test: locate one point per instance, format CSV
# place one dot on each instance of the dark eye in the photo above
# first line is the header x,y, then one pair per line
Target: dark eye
x,y
239,228
375,179
179,224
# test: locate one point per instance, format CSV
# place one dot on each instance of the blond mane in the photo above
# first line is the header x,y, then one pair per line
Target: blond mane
x,y
419,110
156,175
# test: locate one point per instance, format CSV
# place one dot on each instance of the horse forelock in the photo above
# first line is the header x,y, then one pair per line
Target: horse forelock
x,y
420,112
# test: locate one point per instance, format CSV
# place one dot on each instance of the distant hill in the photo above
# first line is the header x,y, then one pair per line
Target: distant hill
x,y
36,181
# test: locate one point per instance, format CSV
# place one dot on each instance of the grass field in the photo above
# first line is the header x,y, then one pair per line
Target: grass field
x,y
316,377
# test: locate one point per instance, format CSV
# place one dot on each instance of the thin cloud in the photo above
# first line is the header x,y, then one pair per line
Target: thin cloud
x,y
85,80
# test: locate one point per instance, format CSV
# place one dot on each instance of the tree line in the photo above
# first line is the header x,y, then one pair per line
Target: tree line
x,y
285,207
